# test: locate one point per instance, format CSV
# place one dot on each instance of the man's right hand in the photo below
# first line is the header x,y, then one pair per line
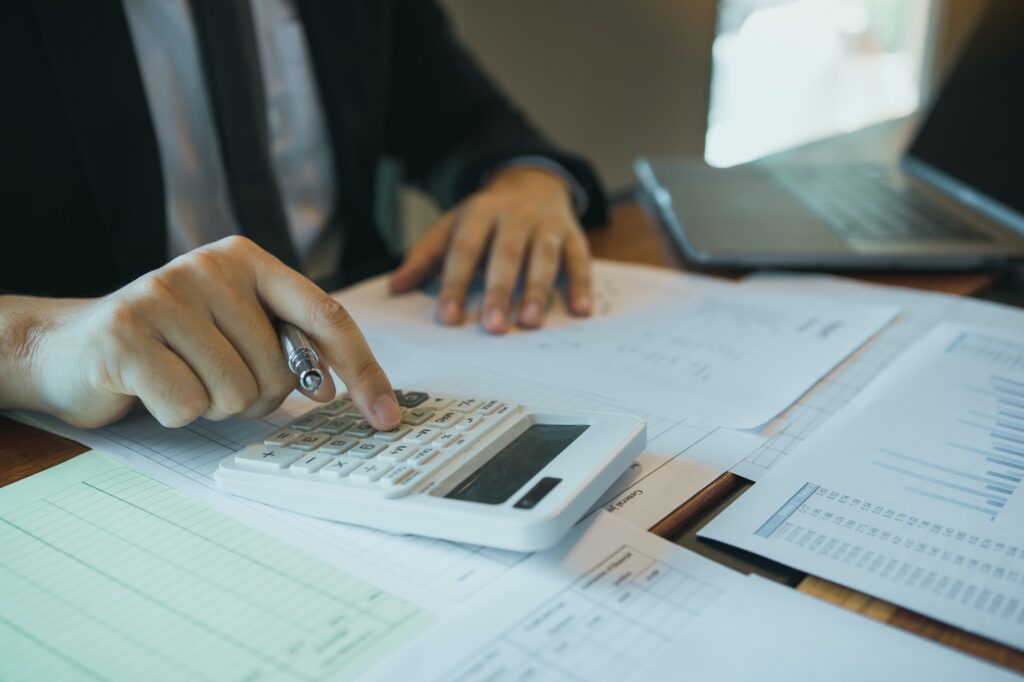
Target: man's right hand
x,y
192,339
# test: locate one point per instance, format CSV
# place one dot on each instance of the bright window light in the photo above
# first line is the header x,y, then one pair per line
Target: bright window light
x,y
786,72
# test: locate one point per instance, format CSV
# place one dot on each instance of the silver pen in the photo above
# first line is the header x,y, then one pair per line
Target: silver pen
x,y
303,360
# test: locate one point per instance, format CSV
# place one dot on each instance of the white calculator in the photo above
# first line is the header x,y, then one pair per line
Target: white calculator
x,y
462,468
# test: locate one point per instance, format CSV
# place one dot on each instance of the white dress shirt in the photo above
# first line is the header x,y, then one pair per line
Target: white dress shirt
x,y
195,184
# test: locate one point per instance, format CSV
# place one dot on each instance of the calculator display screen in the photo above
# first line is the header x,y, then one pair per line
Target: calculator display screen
x,y
517,463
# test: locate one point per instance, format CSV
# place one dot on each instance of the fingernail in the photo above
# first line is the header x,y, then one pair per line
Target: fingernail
x,y
496,319
386,410
581,304
450,312
532,313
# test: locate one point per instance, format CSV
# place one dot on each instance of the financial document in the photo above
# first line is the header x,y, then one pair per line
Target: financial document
x,y
759,630
614,603
678,344
911,494
920,311
108,574
600,606
99,563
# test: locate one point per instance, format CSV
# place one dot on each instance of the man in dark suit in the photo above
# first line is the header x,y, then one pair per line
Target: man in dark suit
x,y
238,140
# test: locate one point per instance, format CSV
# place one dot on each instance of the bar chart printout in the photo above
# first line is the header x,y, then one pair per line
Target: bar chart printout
x,y
912,493
108,574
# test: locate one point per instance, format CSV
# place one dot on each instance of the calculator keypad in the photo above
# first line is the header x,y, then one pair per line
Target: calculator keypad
x,y
335,444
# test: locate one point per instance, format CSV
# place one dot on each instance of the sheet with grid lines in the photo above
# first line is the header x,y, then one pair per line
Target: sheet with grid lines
x,y
108,574
921,311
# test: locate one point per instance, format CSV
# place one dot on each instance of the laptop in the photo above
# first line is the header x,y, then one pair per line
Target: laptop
x,y
955,200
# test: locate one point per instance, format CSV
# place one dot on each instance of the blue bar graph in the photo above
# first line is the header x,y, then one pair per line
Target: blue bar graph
x,y
1009,451
1003,462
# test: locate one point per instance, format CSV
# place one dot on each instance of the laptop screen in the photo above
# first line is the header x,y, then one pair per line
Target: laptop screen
x,y
975,130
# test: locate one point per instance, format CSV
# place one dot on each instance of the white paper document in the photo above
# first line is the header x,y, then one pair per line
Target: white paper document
x,y
920,311
690,346
109,575
99,563
911,494
603,605
615,603
759,630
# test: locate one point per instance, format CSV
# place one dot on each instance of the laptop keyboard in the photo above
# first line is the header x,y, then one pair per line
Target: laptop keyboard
x,y
858,201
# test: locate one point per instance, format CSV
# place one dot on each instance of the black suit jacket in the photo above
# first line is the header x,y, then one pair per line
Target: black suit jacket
x,y
81,193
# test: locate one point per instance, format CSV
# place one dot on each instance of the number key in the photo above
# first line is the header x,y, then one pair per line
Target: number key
x,y
336,446
311,441
361,430
367,449
309,422
335,426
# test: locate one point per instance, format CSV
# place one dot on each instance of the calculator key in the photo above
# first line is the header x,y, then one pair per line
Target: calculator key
x,y
260,457
367,449
310,441
423,457
309,422
310,464
336,426
282,438
341,467
504,409
422,436
352,413
398,453
458,445
412,398
336,446
484,425
437,402
467,404
442,420
370,471
361,430
446,439
489,407
393,434
397,475
336,408
416,416
466,423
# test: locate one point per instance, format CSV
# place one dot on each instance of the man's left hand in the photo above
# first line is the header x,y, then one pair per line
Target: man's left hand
x,y
522,218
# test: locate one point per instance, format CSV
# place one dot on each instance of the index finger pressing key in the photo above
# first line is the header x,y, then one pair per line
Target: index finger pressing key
x,y
295,299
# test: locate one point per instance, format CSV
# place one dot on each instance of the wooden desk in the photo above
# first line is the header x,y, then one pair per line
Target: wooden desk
x,y
632,236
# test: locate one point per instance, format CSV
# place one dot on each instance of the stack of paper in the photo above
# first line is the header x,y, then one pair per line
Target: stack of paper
x,y
610,602
111,575
668,344
911,493
920,312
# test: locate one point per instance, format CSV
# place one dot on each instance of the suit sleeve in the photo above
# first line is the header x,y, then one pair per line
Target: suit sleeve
x,y
449,123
